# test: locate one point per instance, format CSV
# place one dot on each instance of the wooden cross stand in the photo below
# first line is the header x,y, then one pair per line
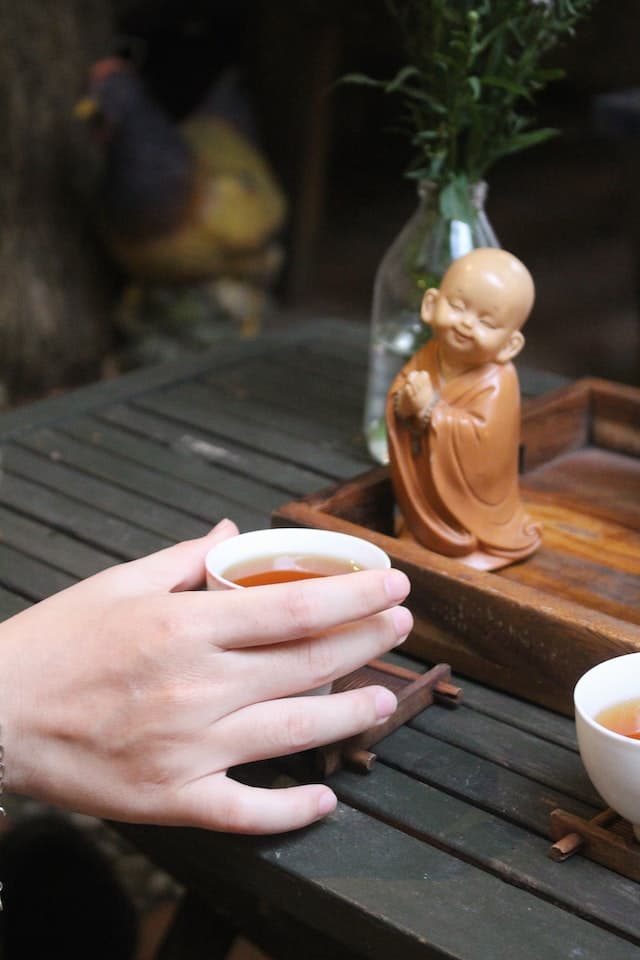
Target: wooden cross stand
x,y
607,838
415,692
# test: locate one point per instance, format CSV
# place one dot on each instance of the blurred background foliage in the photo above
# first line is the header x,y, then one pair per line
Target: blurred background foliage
x,y
331,148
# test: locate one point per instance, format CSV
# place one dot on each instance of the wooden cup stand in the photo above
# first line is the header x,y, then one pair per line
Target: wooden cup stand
x,y
415,692
607,839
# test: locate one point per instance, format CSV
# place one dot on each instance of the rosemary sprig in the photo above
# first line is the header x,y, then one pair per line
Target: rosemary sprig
x,y
472,73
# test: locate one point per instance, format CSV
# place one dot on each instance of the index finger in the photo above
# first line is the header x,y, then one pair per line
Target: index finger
x,y
287,611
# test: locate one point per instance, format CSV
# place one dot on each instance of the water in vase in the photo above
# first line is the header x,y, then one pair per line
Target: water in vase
x,y
390,349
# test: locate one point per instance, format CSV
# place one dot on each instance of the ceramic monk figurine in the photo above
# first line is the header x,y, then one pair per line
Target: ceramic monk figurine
x,y
453,416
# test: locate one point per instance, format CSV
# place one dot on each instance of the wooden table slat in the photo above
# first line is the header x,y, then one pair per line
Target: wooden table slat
x,y
11,603
337,431
29,576
219,423
88,524
152,499
494,844
282,384
240,489
197,445
505,792
51,546
385,893
57,409
330,360
514,749
502,706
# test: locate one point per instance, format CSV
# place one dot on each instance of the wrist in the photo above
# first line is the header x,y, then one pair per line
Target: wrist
x,y
13,738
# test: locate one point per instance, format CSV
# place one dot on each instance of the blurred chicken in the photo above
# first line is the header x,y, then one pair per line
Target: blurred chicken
x,y
184,204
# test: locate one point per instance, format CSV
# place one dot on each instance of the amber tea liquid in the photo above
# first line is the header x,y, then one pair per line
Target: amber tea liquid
x,y
282,568
622,718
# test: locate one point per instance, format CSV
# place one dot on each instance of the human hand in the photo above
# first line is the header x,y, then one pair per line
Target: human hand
x,y
131,694
415,397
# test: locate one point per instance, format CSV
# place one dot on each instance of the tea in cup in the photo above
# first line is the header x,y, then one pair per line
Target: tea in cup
x,y
607,709
284,554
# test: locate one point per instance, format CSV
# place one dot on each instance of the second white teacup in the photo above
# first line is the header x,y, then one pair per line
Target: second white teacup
x,y
611,759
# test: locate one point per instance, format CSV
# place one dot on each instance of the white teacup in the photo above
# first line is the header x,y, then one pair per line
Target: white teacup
x,y
256,548
611,759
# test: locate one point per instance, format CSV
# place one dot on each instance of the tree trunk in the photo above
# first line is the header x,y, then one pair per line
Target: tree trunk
x,y
55,281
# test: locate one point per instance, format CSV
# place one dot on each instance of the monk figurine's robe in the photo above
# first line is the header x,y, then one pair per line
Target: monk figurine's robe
x,y
455,473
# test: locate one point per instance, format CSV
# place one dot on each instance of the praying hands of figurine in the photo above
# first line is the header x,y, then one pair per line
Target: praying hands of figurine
x,y
131,694
415,399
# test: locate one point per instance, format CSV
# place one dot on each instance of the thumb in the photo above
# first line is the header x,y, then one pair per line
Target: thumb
x,y
180,567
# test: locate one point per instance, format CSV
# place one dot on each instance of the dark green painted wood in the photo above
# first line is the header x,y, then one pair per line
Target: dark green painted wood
x,y
246,491
329,464
49,461
283,386
518,750
147,498
495,844
331,423
322,359
29,576
11,603
478,780
52,547
312,370
59,408
384,893
88,524
256,500
296,423
197,446
495,703
524,716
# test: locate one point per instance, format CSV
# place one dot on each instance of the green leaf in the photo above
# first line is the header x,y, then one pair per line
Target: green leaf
x,y
470,69
505,84
551,73
400,78
476,87
422,96
425,135
455,202
361,79
523,141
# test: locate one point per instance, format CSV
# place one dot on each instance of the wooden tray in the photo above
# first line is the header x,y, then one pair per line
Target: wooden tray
x,y
533,628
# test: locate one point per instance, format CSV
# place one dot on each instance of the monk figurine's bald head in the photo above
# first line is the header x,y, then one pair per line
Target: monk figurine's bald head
x,y
477,313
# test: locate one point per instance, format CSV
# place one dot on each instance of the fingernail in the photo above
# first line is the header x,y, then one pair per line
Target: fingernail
x,y
327,802
403,623
386,703
223,525
397,585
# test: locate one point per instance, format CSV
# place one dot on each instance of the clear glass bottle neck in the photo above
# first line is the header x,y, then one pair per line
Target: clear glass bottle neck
x,y
428,191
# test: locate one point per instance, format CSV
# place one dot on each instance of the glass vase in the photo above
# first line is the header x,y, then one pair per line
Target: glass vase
x,y
415,261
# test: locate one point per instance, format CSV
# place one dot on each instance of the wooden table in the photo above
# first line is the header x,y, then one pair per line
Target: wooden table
x,y
442,850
